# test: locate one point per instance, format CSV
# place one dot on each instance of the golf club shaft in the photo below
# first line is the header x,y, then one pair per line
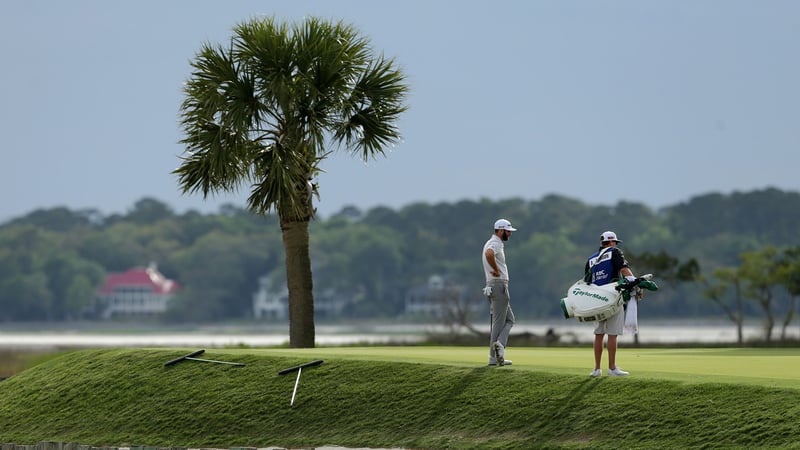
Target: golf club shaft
x,y
296,383
491,325
218,362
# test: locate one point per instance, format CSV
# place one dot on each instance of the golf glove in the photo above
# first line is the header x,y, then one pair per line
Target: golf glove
x,y
487,291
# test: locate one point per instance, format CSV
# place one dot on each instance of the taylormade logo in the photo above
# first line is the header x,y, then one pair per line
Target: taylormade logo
x,y
578,291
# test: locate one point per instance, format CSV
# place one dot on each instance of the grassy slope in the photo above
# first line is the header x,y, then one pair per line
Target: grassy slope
x,y
420,397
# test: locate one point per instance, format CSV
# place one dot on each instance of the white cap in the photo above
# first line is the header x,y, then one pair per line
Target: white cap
x,y
609,236
503,224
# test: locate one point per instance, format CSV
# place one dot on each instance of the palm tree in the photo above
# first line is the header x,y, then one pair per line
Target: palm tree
x,y
268,108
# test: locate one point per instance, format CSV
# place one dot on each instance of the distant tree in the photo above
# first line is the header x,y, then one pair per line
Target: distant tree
x,y
349,212
757,272
540,264
59,219
71,280
24,284
263,111
454,307
788,275
766,215
665,266
716,290
149,210
557,213
344,254
756,278
220,273
114,248
78,295
691,218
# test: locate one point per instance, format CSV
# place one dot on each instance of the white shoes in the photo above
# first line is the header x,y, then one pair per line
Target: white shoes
x,y
617,372
506,362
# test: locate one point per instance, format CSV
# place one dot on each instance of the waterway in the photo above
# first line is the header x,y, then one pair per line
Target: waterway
x,y
655,332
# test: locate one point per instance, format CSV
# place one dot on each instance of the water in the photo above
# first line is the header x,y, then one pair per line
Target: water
x,y
676,332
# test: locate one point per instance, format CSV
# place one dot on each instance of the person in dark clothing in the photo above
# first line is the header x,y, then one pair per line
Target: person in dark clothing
x,y
608,265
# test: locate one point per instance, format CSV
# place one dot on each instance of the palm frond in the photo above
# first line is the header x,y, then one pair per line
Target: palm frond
x,y
262,110
371,112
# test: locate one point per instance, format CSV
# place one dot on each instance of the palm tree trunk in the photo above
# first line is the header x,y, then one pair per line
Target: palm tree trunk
x,y
300,283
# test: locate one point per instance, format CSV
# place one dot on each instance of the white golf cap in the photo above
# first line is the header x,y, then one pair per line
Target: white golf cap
x,y
503,224
609,236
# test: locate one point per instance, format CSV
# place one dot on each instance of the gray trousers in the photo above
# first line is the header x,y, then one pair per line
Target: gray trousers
x,y
501,314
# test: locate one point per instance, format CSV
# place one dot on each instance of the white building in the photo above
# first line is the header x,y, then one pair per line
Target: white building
x,y
439,298
270,305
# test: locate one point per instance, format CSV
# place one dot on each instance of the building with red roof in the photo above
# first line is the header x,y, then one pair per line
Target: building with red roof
x,y
139,292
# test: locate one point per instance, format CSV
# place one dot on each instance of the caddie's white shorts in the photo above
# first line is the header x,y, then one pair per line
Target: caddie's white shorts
x,y
613,325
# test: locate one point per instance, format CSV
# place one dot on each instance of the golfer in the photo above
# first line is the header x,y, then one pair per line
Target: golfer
x,y
496,291
605,266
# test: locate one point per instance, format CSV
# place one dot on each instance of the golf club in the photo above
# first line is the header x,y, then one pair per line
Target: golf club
x,y
191,356
629,285
299,370
491,324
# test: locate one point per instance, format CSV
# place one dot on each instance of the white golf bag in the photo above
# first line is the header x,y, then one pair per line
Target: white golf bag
x,y
588,302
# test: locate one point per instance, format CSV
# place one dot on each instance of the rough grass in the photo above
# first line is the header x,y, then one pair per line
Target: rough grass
x,y
359,398
16,360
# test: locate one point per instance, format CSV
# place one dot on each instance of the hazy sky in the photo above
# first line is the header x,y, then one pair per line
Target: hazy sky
x,y
648,101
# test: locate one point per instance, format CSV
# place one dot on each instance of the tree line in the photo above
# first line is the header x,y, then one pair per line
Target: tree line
x,y
715,255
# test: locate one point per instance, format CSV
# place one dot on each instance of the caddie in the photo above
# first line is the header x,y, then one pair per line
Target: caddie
x,y
605,266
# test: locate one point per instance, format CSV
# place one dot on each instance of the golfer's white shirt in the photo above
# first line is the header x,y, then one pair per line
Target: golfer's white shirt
x,y
496,244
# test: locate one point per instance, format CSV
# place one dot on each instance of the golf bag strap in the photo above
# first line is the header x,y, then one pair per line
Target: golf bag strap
x,y
587,277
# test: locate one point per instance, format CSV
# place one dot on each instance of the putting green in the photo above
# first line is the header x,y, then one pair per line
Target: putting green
x,y
758,366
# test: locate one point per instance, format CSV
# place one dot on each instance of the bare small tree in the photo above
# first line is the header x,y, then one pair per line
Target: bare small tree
x,y
716,292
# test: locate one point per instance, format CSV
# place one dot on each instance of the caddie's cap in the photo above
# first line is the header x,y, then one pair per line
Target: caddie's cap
x,y
503,224
609,236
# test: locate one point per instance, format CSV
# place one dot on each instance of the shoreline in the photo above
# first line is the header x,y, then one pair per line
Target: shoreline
x,y
272,335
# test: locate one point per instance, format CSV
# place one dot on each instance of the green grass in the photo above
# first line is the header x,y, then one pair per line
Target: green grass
x,y
13,361
413,397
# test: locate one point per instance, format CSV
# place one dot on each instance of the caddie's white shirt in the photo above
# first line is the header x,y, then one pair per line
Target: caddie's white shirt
x,y
496,244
